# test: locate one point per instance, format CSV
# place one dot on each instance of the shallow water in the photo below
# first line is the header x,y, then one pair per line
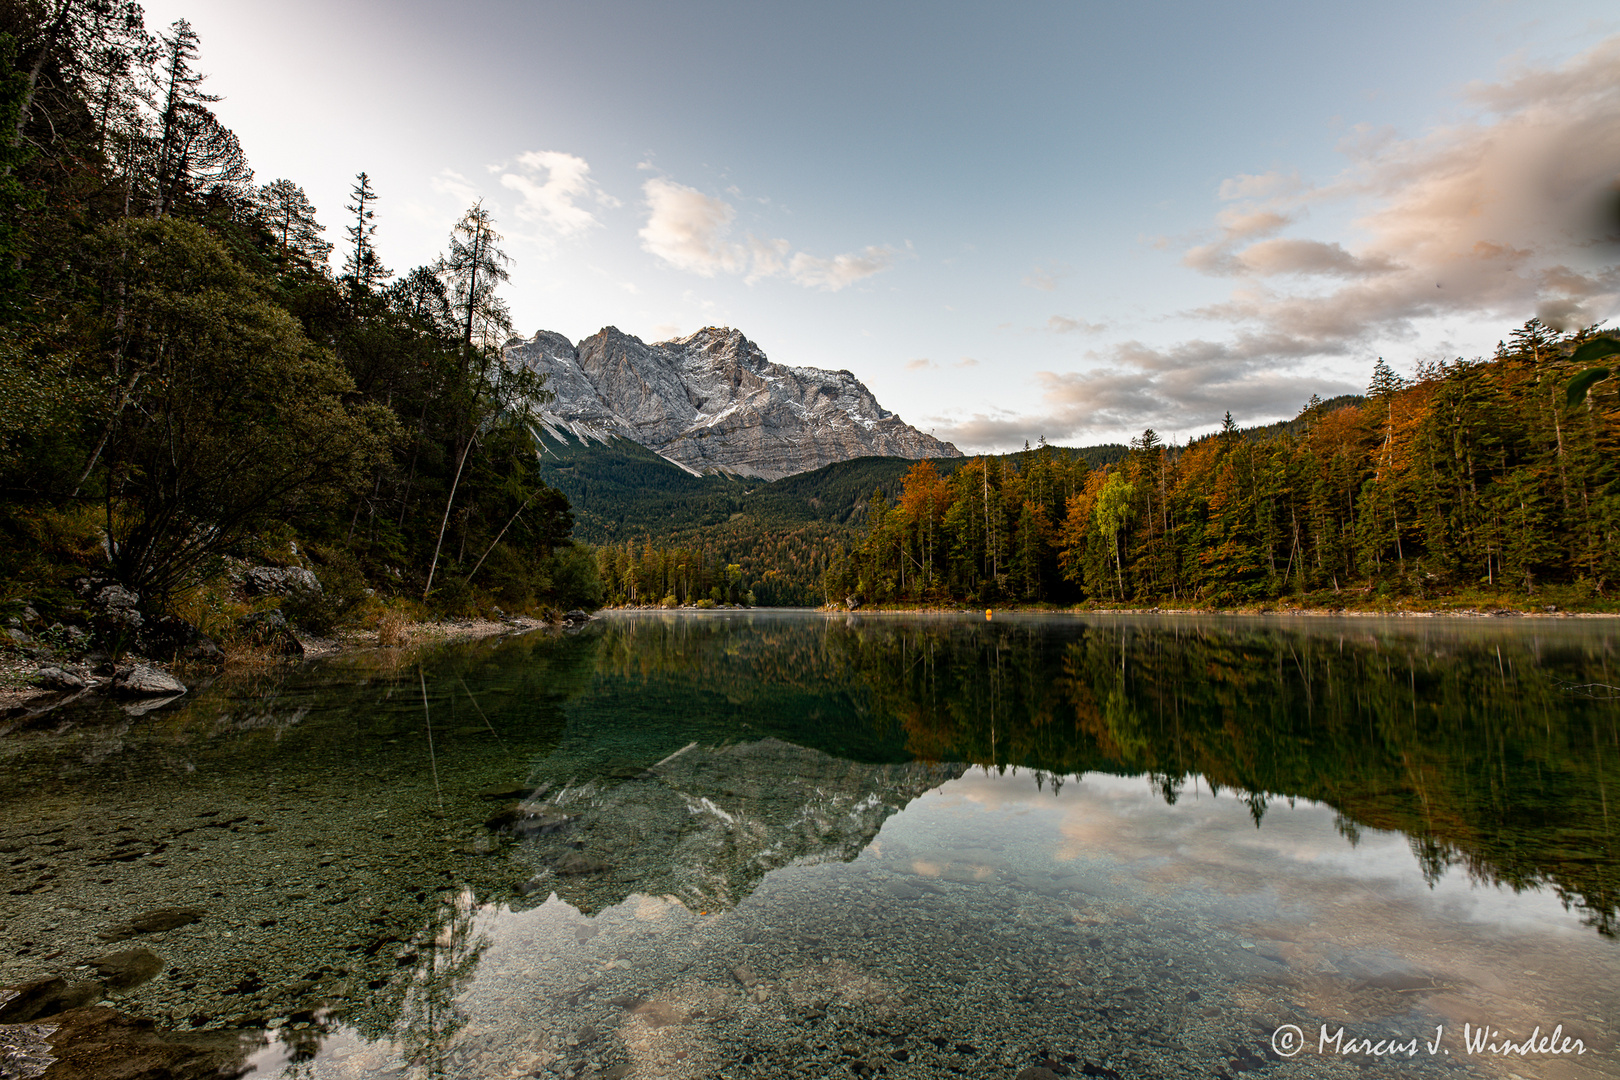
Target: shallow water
x,y
775,843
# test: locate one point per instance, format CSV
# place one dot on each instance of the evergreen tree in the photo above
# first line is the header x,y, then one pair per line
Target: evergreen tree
x,y
363,269
1385,383
196,155
474,268
287,213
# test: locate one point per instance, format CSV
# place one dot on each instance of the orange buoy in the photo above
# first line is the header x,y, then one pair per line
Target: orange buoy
x,y
987,614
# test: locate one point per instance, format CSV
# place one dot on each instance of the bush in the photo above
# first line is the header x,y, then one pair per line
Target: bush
x,y
576,580
339,600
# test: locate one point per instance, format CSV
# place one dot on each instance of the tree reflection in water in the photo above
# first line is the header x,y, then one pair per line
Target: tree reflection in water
x,y
1492,746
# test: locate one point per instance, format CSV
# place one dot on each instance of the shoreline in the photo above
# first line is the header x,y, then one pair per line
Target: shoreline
x,y
16,691
1302,612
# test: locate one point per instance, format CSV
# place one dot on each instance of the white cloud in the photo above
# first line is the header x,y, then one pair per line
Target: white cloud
x,y
1265,185
1141,386
1063,324
451,183
1046,275
921,363
692,231
841,270
1500,212
1286,255
688,229
551,187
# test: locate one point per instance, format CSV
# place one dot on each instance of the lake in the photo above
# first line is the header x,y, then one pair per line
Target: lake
x,y
763,844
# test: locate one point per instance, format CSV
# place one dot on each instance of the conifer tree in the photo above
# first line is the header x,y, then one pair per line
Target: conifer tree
x,y
195,153
473,269
363,268
287,213
1385,383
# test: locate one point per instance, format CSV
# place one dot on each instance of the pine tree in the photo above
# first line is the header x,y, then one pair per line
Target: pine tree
x,y
363,269
474,268
287,214
196,154
1385,383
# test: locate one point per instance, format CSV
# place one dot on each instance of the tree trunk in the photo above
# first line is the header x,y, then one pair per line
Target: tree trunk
x,y
434,565
46,51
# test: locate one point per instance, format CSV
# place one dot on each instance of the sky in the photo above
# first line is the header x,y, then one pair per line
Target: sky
x,y
1069,221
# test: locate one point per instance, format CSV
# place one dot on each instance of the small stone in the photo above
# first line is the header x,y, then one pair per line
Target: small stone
x,y
1037,1072
745,975
579,863
153,922
130,968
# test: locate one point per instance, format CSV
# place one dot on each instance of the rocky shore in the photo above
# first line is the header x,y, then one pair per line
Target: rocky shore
x,y
109,645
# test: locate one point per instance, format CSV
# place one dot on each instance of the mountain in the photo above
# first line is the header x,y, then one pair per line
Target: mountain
x,y
712,403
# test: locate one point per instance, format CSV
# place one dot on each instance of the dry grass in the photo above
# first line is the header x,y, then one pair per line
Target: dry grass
x,y
393,628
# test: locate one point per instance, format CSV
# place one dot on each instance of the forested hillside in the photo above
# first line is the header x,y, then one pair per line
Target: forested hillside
x,y
1496,477
186,385
663,533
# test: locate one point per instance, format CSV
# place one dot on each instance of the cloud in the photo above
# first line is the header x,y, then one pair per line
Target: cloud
x,y
1045,276
966,362
1062,324
1237,225
1481,222
835,273
922,363
692,231
1500,211
1188,385
551,187
449,182
688,229
1265,185
1292,256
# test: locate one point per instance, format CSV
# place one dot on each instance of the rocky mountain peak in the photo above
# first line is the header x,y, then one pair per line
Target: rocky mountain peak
x,y
713,402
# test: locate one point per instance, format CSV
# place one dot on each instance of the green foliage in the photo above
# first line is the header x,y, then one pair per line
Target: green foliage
x,y
227,416
1471,475
181,385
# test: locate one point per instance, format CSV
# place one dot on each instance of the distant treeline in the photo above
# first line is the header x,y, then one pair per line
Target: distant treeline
x,y
742,563
183,379
778,538
1502,474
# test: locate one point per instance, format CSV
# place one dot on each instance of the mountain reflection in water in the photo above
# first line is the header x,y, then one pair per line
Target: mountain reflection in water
x,y
732,844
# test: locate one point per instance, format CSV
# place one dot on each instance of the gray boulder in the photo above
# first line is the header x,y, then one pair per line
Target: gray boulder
x,y
280,581
116,612
58,678
139,680
45,997
129,968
